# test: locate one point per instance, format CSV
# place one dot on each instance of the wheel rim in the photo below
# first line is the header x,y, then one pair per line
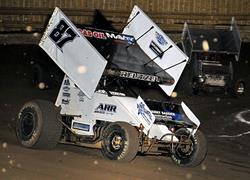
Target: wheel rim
x,y
28,125
185,148
115,142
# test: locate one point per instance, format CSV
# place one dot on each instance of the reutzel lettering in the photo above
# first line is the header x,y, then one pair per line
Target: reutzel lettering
x,y
138,76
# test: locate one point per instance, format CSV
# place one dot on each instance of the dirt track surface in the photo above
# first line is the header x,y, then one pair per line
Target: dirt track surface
x,y
221,117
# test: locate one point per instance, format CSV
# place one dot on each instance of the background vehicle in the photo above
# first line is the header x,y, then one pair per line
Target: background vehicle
x,y
213,59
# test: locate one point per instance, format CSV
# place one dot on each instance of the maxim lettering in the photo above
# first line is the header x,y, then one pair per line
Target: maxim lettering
x,y
122,37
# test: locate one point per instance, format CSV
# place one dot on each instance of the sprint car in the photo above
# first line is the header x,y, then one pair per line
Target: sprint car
x,y
104,101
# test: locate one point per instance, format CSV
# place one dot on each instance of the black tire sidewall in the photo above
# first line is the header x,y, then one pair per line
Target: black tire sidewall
x,y
198,154
48,128
107,148
130,142
38,125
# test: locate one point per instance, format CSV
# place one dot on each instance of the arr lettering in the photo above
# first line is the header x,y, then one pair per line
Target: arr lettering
x,y
106,107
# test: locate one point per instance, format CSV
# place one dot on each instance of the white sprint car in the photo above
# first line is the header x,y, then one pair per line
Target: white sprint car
x,y
97,104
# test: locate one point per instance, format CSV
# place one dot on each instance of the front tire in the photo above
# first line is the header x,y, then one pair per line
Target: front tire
x,y
192,150
120,142
38,126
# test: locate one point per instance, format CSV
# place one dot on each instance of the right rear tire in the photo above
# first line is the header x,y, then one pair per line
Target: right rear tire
x,y
38,125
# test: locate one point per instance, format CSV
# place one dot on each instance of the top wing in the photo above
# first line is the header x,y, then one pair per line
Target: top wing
x,y
73,53
157,45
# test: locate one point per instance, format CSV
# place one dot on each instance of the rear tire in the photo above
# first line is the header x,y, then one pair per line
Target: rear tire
x,y
38,126
120,142
193,150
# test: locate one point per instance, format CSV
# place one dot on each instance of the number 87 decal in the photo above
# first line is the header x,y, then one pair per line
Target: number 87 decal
x,y
62,34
